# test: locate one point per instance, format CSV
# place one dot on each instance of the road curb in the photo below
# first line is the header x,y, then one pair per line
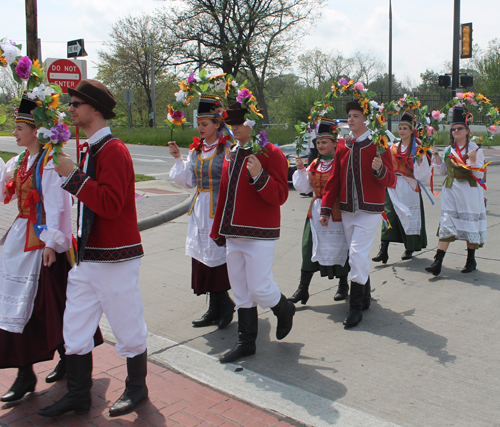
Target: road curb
x,y
165,216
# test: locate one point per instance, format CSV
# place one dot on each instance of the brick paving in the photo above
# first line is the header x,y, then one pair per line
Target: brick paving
x,y
174,400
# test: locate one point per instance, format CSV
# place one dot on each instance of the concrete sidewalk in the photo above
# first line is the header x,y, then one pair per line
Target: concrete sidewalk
x,y
174,400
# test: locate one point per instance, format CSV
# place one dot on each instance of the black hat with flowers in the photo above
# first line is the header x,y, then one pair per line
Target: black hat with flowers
x,y
461,116
209,107
24,114
235,114
97,95
409,119
327,128
353,105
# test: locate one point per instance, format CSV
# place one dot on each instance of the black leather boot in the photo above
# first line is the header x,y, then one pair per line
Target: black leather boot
x,y
435,267
226,309
79,383
284,311
135,386
367,297
382,255
343,289
302,292
407,255
212,315
60,370
248,324
24,383
356,300
470,264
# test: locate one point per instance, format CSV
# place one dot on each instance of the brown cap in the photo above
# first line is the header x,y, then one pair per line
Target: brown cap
x,y
97,95
235,115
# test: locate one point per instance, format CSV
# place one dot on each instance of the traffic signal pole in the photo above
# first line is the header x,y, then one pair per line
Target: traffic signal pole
x,y
456,50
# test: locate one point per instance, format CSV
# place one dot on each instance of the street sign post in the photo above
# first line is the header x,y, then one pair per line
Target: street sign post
x,y
76,48
66,73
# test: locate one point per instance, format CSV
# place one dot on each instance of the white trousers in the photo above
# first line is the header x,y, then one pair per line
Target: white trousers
x,y
112,288
360,229
249,265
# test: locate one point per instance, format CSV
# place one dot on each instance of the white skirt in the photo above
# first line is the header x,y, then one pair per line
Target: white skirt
x,y
199,245
463,214
329,243
406,202
19,274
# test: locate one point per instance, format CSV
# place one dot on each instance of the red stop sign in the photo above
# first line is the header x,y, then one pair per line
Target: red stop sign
x,y
65,73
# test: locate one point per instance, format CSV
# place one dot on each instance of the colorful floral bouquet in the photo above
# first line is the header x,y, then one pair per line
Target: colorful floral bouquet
x,y
52,132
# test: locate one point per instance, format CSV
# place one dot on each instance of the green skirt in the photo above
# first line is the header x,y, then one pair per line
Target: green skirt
x,y
397,233
331,271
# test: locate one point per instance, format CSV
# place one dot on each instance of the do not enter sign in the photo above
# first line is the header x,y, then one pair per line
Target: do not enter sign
x,y
66,73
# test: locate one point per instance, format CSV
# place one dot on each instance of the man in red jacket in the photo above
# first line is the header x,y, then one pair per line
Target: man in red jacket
x,y
106,275
360,177
247,220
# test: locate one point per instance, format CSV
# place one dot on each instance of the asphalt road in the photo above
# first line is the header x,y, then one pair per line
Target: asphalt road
x,y
426,354
148,160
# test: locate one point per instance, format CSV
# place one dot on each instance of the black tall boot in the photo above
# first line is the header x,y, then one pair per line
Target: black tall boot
x,y
470,264
367,297
435,267
226,309
248,325
382,255
135,386
79,383
60,370
284,311
25,383
407,255
212,315
302,292
356,300
343,289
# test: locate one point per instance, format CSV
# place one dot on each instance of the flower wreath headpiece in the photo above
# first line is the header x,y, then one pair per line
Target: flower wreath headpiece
x,y
373,111
198,83
477,102
52,132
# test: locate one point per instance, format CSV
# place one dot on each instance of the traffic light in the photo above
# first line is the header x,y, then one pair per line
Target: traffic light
x,y
466,41
466,81
444,81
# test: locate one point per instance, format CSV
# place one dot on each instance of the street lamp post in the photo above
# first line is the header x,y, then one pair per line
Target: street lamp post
x,y
389,119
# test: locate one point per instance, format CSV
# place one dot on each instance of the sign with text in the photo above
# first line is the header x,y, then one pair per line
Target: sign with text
x,y
66,73
76,48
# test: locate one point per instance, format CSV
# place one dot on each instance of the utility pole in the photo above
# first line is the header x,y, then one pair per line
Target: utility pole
x,y
153,91
456,49
389,120
31,29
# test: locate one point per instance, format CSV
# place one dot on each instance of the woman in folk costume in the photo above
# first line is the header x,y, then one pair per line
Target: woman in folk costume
x,y
33,263
404,206
202,170
463,214
324,249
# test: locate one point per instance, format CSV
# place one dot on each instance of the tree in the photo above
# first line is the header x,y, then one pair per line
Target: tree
x,y
487,79
138,42
8,87
255,37
381,85
367,67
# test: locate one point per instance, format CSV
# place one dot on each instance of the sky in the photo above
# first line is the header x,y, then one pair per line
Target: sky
x,y
422,29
